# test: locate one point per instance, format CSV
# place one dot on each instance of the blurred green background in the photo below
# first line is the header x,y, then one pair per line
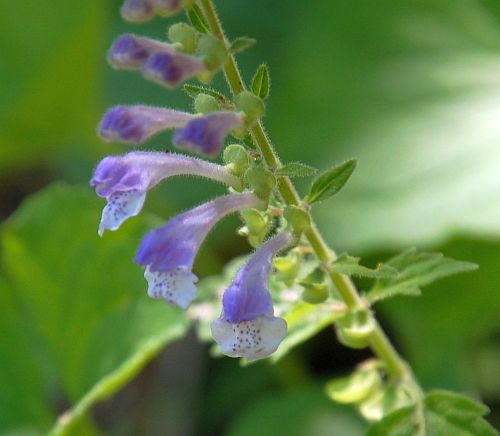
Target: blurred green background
x,y
411,89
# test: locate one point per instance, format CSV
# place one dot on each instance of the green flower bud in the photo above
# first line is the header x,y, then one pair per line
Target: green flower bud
x,y
298,218
316,293
261,180
213,51
250,104
183,34
204,104
255,220
354,329
288,267
236,159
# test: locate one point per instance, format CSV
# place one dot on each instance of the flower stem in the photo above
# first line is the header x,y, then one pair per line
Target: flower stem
x,y
379,342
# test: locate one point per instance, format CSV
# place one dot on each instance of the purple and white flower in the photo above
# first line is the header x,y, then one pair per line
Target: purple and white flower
x,y
136,124
205,135
168,252
247,326
124,181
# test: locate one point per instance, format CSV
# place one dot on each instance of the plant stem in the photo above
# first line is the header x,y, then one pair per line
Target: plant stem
x,y
379,342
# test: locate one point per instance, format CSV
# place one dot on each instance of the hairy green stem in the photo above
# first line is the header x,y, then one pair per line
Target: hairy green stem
x,y
379,342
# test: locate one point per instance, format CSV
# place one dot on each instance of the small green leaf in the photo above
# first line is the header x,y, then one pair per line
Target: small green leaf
x,y
261,83
194,90
416,269
442,413
241,44
331,182
296,169
195,16
349,265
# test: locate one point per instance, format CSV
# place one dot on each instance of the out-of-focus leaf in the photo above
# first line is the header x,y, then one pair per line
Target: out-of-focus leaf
x,y
298,412
241,44
197,19
79,315
354,388
444,413
349,265
330,182
50,70
416,269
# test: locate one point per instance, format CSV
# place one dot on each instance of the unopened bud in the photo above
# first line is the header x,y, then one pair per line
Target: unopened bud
x,y
204,104
261,180
183,34
250,104
354,329
236,159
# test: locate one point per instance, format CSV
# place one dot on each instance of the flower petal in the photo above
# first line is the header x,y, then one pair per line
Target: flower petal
x,y
121,205
176,287
254,339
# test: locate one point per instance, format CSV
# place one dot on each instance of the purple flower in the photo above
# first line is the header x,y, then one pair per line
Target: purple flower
x,y
171,68
167,8
137,11
206,135
130,52
168,252
247,327
124,180
136,124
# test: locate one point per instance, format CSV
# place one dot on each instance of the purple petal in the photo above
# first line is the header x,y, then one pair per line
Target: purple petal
x,y
137,11
206,135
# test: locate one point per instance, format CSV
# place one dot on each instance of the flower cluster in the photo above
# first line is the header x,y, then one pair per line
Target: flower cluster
x,y
247,326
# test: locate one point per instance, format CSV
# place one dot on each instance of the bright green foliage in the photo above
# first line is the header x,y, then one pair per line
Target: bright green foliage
x,y
355,388
261,82
241,44
296,169
79,323
442,414
349,265
416,269
197,19
330,182
194,90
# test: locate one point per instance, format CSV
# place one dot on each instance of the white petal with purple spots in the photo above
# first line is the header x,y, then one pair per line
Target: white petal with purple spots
x,y
121,206
177,287
254,339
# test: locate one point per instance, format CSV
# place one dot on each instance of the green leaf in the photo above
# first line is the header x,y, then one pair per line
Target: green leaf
x,y
194,90
444,413
416,269
349,265
79,314
197,19
241,44
261,82
331,182
296,169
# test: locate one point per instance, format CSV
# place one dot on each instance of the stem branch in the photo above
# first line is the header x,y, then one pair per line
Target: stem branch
x,y
379,342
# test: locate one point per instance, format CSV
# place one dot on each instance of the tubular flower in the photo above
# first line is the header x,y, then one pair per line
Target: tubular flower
x,y
247,327
124,181
205,135
138,11
168,252
136,124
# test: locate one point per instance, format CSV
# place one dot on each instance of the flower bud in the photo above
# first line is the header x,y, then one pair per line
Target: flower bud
x,y
257,226
261,180
250,104
137,11
298,218
236,159
354,329
288,267
316,293
183,34
204,104
213,51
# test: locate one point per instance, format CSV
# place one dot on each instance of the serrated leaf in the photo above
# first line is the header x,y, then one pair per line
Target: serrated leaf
x,y
416,269
296,169
83,301
197,19
241,44
443,413
349,265
194,90
261,82
330,182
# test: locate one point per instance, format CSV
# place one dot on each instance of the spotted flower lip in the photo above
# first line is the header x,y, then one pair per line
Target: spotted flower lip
x,y
136,124
171,68
247,326
205,135
124,180
168,252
